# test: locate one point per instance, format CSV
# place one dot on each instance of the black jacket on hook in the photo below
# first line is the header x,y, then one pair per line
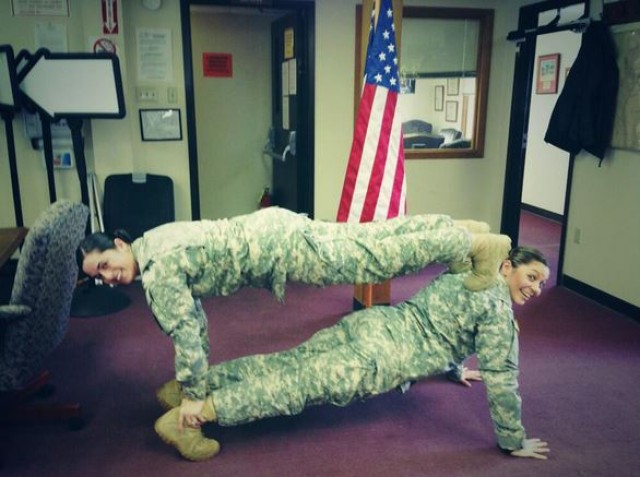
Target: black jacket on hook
x,y
583,115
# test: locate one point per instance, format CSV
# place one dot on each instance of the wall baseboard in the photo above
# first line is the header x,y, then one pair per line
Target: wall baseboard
x,y
542,212
601,297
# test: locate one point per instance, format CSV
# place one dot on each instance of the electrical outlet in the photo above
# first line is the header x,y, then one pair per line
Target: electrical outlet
x,y
577,235
147,93
172,94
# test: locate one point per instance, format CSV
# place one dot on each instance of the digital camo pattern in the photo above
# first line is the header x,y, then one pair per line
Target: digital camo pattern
x,y
374,350
184,261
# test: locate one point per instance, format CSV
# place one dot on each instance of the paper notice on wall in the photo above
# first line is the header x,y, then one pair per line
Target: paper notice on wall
x,y
52,36
289,47
285,78
155,62
285,112
40,7
293,78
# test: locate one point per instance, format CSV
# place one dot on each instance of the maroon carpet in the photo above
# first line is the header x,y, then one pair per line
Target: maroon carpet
x,y
580,375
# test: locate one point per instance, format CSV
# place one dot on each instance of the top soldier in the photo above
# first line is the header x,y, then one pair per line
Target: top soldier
x,y
182,262
372,351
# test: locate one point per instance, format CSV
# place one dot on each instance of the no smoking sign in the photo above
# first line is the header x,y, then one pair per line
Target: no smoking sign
x,y
104,45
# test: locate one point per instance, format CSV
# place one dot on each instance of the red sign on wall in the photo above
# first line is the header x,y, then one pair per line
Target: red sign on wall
x,y
217,65
110,17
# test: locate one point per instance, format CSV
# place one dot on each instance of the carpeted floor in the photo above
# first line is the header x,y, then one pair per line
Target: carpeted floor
x,y
580,369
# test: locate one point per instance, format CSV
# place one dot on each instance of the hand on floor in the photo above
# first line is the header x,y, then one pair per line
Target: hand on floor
x,y
533,448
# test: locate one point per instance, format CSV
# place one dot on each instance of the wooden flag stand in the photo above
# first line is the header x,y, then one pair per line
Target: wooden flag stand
x,y
368,295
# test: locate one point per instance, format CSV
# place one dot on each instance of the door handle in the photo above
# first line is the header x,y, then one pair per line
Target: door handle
x,y
290,149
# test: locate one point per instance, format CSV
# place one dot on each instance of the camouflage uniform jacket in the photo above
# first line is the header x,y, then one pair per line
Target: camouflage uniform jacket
x,y
182,262
480,323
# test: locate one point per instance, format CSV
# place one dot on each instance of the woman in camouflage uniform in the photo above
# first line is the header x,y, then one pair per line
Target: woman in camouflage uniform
x,y
184,261
375,350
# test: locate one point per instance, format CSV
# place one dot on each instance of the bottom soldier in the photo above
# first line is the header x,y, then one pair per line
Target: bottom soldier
x,y
375,350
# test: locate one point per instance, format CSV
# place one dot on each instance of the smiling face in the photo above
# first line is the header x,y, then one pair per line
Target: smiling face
x,y
114,266
525,281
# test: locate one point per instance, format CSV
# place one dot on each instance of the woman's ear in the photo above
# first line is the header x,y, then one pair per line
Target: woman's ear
x,y
506,267
120,244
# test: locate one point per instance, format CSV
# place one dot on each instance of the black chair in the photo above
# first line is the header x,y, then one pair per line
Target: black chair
x,y
137,202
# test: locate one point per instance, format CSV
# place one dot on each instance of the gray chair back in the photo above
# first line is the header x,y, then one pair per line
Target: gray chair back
x,y
45,279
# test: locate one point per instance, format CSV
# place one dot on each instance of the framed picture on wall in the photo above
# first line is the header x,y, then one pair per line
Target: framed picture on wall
x,y
547,78
407,85
160,125
439,98
451,114
453,86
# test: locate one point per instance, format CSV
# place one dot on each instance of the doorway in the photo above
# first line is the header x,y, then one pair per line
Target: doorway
x,y
538,176
232,74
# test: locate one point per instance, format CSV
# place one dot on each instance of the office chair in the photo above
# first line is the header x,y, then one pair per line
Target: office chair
x,y
35,321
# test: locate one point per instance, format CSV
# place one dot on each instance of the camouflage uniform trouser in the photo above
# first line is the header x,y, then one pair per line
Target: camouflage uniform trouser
x,y
327,253
367,353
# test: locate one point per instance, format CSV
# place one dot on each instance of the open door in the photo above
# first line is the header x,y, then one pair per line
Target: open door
x,y
291,136
532,25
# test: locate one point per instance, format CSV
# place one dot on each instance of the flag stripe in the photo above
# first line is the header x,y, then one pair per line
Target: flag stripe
x,y
390,192
380,158
364,112
370,146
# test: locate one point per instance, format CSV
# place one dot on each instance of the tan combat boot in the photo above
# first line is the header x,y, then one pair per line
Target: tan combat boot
x,y
487,253
169,395
191,442
473,226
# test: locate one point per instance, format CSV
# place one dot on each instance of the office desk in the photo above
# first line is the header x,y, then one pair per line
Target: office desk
x,y
10,240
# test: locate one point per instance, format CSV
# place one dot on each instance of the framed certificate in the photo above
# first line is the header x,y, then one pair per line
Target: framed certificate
x,y
160,125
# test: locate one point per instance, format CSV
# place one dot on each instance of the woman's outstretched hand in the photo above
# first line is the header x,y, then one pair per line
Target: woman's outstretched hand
x,y
532,448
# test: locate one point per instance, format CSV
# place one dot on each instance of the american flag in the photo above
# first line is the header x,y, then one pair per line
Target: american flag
x,y
374,185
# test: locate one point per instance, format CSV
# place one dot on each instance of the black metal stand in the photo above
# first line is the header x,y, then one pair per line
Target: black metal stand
x,y
11,150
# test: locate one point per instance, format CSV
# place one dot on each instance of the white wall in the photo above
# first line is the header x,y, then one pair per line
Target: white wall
x,y
605,207
546,166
